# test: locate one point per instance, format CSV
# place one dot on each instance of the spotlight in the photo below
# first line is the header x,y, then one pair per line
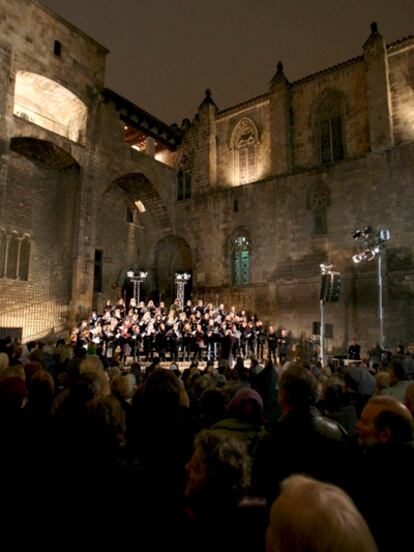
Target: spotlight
x,y
359,257
371,245
384,234
369,254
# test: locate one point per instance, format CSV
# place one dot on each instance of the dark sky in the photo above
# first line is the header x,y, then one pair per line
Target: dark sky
x,y
165,53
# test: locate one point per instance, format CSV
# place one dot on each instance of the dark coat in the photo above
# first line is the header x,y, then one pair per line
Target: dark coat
x,y
301,442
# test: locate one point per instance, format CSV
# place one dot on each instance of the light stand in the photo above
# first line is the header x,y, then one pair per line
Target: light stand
x,y
372,245
380,302
181,278
137,278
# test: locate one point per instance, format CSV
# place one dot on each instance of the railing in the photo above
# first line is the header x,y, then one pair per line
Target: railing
x,y
37,313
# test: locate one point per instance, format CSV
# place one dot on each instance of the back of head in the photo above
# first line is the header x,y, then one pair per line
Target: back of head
x,y
297,388
316,517
225,465
161,391
247,405
12,394
122,387
393,421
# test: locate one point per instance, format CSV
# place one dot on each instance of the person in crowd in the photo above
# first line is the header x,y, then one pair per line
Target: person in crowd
x,y
354,350
337,405
245,419
272,344
383,473
283,346
317,517
218,515
398,381
302,441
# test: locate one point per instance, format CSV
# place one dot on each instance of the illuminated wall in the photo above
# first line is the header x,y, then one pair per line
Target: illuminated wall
x,y
48,104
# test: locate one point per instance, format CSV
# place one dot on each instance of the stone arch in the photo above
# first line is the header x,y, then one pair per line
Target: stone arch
x,y
43,153
244,143
138,188
49,105
124,240
171,254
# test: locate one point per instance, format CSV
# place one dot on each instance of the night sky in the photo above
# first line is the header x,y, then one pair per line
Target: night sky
x,y
165,53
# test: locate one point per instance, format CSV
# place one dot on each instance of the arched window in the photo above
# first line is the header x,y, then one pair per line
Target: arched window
x,y
24,257
240,260
329,114
3,251
318,202
14,255
184,178
183,185
244,142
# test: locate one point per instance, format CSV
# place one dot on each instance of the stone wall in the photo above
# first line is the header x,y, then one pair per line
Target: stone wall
x,y
72,198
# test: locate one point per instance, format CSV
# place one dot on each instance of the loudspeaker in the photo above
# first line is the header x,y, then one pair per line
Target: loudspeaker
x,y
330,287
316,330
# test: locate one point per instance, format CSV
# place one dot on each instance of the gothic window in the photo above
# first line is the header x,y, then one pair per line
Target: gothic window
x,y
330,129
184,168
319,200
14,256
183,185
244,143
240,261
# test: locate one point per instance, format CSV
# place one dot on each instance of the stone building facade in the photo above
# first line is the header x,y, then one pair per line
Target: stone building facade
x,y
249,199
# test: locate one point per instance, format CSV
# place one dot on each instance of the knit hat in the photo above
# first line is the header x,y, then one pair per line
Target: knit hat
x,y
245,394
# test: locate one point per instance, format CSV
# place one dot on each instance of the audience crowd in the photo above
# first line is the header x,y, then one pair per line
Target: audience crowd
x,y
246,455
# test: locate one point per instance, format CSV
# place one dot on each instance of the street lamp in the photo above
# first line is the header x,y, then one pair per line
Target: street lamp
x,y
181,278
371,244
136,278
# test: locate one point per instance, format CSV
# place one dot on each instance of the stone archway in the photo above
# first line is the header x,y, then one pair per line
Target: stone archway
x,y
140,190
172,254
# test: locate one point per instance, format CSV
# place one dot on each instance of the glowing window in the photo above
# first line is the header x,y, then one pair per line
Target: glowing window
x,y
244,143
240,261
51,106
330,129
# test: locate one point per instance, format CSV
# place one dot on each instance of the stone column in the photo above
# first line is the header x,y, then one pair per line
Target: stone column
x,y
280,127
378,91
150,146
208,148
